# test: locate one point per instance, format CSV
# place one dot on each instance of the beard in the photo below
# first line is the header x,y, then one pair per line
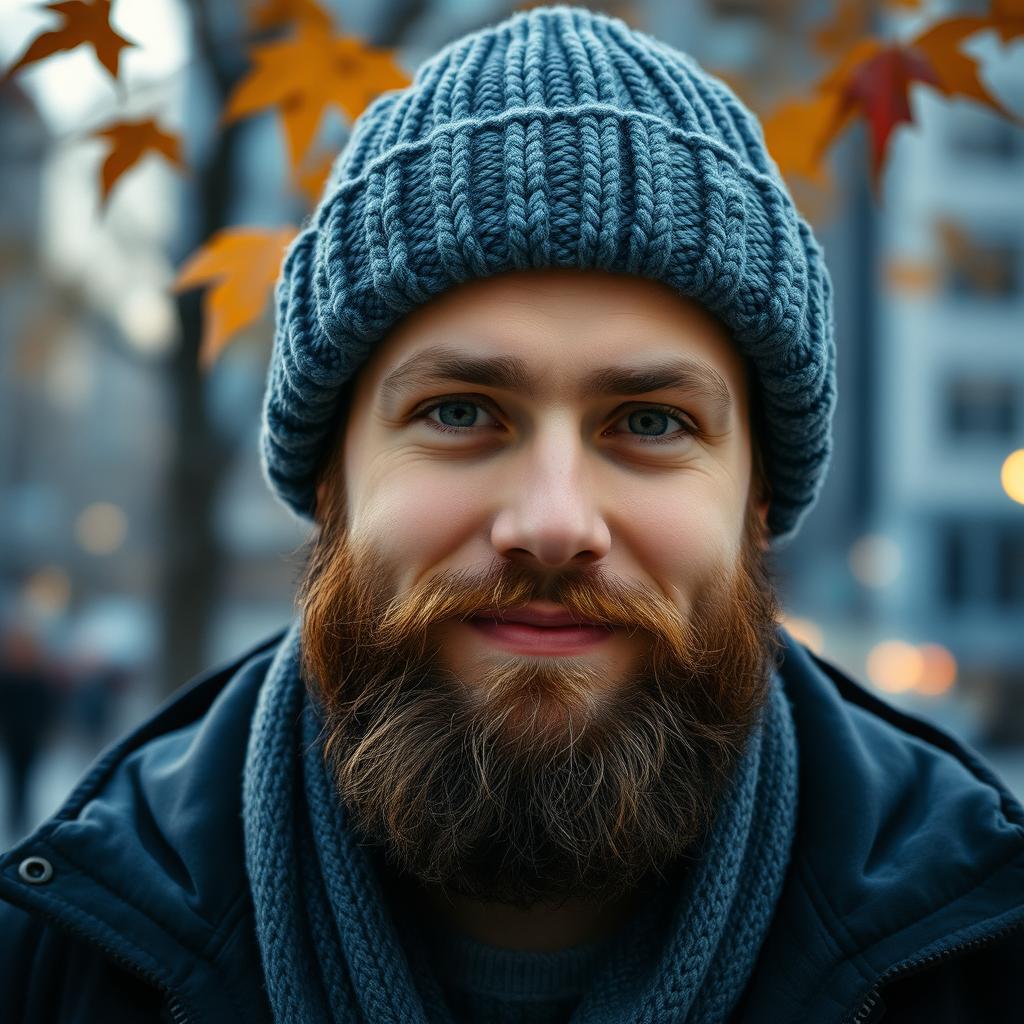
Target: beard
x,y
539,779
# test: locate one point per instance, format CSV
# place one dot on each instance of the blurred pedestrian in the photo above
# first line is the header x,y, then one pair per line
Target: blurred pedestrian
x,y
30,700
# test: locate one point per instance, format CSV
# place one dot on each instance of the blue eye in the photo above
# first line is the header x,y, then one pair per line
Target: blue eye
x,y
459,415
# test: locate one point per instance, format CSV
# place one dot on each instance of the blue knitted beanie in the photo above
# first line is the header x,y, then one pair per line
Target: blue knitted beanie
x,y
557,138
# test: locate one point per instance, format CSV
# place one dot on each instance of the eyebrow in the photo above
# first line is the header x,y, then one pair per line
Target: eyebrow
x,y
441,364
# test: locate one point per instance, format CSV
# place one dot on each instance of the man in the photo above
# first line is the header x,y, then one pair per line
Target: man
x,y
553,371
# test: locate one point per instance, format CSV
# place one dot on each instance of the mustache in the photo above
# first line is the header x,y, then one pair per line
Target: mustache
x,y
342,604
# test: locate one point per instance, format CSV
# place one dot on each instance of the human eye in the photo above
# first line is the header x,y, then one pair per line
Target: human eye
x,y
460,410
653,417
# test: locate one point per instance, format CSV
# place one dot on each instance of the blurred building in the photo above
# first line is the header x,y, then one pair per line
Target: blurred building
x,y
951,391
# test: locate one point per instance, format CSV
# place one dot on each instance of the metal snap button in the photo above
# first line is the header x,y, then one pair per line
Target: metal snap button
x,y
35,870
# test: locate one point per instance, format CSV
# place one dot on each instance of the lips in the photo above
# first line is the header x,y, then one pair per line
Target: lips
x,y
527,638
533,616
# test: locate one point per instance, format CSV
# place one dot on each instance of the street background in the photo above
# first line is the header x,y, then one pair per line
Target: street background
x,y
140,544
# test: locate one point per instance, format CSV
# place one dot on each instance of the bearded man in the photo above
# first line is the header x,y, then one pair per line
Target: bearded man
x,y
554,371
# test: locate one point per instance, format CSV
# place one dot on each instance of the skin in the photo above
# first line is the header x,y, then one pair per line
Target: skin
x,y
551,482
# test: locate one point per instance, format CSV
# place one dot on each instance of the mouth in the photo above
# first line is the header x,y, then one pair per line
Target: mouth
x,y
547,616
528,638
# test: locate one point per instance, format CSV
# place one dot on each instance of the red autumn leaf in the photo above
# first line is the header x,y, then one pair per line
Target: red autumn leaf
x,y
130,141
242,265
800,131
85,21
309,72
876,86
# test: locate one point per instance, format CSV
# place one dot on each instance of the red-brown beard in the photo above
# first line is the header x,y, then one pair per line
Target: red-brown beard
x,y
521,786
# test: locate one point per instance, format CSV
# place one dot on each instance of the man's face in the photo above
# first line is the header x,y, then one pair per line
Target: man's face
x,y
528,764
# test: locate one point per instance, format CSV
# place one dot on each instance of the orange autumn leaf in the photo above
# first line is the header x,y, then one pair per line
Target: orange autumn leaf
x,y
957,72
130,141
241,266
309,72
910,277
1007,18
84,21
798,131
873,81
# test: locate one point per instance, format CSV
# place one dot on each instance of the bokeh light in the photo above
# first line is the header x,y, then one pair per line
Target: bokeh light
x,y
47,591
101,528
1012,475
806,631
895,666
938,673
875,560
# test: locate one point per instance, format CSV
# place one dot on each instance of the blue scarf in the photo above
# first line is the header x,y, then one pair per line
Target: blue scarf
x,y
330,949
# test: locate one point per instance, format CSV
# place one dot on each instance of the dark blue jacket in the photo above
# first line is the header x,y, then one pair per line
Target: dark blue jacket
x,y
904,900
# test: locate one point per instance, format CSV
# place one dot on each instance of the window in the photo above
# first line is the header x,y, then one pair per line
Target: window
x,y
980,263
954,563
980,407
1010,567
978,134
981,565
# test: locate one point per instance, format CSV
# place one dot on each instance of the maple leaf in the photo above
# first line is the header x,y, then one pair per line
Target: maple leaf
x,y
798,131
957,72
874,80
130,141
1007,18
309,72
85,21
242,265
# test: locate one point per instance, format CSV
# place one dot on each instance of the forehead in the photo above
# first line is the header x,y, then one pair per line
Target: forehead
x,y
562,330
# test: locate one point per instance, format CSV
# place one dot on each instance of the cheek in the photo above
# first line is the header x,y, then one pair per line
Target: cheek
x,y
419,515
679,538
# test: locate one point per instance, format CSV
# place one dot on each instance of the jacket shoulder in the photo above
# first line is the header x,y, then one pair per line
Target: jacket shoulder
x,y
46,974
142,891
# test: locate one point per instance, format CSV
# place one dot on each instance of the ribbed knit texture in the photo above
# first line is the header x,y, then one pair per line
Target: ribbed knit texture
x,y
330,949
557,138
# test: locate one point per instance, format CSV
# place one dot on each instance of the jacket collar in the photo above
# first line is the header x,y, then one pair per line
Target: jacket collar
x,y
906,846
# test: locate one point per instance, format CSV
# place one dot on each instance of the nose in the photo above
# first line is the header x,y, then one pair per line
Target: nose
x,y
549,513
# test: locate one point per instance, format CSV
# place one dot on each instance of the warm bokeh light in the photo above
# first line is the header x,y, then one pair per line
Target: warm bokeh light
x,y
48,590
895,666
1012,475
806,632
875,560
147,318
101,528
938,673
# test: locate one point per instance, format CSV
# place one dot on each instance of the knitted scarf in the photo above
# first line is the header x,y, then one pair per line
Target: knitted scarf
x,y
330,949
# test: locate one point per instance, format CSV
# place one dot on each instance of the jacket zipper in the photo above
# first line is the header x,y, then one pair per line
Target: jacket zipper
x,y
907,967
177,1009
